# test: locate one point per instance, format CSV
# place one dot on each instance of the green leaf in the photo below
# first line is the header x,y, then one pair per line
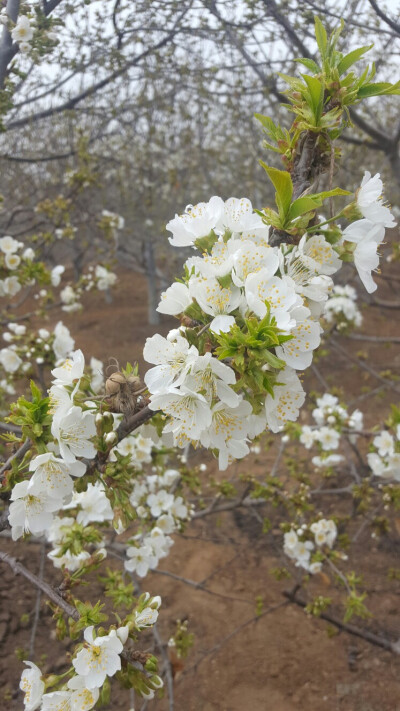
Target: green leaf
x,y
351,58
266,122
321,36
309,64
273,360
283,185
316,89
329,193
301,206
378,89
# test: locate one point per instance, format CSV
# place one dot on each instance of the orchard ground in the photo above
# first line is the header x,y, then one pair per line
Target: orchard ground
x,y
282,660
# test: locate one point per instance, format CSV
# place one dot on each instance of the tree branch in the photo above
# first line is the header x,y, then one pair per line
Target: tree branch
x,y
20,569
351,629
394,25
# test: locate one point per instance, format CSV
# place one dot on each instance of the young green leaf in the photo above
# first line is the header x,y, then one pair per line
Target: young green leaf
x,y
352,58
283,185
321,36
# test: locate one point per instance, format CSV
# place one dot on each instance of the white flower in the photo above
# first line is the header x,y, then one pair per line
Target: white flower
x,y
9,245
331,460
172,359
33,687
29,512
216,301
250,258
146,618
68,296
166,523
367,236
307,437
288,397
174,300
10,360
228,432
279,293
179,508
12,261
105,278
238,216
218,262
94,505
73,431
22,31
53,476
190,413
213,379
68,560
59,401
384,442
325,532
160,502
97,379
56,274
63,343
197,221
59,528
77,698
328,438
305,338
28,254
318,255
71,370
290,540
99,658
369,201
11,286
140,560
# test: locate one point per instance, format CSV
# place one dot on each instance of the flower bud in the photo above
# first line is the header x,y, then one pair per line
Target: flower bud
x,y
111,438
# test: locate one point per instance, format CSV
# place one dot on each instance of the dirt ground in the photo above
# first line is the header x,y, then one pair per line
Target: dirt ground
x,y
283,660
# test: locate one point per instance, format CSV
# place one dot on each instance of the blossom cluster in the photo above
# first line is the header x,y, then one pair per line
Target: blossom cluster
x,y
10,261
341,308
239,276
40,347
299,547
330,419
98,658
35,501
385,459
98,277
161,513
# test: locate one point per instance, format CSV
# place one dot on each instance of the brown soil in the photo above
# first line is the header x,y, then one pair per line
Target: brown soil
x,y
281,661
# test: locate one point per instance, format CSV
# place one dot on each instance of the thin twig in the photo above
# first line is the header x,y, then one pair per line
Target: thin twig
x,y
17,455
37,603
200,586
167,666
370,637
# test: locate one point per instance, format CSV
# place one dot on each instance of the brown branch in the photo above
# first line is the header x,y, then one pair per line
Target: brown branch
x,y
394,25
20,569
370,637
134,421
17,455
